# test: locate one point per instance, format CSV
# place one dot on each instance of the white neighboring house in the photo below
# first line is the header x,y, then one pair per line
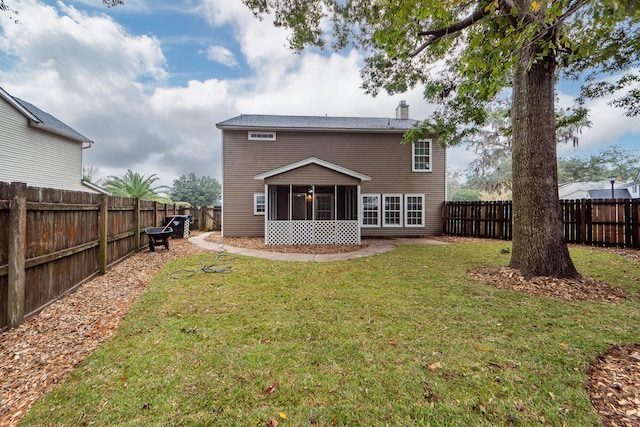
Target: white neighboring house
x,y
633,187
598,190
38,149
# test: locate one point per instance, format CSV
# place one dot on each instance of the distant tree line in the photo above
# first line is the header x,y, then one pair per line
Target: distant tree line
x,y
489,176
188,189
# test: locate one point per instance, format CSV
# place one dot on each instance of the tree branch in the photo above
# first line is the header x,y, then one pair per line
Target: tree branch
x,y
435,35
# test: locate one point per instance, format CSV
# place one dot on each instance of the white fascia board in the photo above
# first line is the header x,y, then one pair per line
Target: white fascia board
x,y
312,160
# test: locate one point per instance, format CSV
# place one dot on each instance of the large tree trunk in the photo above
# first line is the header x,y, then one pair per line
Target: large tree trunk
x,y
539,248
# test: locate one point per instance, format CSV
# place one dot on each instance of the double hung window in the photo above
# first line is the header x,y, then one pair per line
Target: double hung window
x,y
371,210
258,204
421,156
392,210
414,210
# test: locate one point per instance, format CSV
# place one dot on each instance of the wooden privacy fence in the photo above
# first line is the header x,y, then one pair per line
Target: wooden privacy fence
x,y
51,241
601,222
205,218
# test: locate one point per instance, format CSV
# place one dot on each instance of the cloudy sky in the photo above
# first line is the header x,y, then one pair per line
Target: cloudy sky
x,y
147,82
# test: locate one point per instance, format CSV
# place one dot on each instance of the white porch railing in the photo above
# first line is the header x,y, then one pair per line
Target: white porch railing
x,y
313,233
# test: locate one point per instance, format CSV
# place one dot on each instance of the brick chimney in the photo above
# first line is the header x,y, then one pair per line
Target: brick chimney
x,y
402,111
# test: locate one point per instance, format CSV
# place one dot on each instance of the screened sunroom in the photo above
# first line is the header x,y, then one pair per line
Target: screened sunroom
x,y
311,202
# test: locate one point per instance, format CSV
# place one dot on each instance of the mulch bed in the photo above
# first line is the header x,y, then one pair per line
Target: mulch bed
x,y
614,386
582,289
41,353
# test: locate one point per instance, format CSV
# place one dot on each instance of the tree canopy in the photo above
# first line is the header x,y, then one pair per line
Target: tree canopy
x,y
197,191
469,55
612,161
133,184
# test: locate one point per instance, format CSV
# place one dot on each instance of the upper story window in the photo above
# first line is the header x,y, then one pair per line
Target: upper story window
x,y
421,156
255,135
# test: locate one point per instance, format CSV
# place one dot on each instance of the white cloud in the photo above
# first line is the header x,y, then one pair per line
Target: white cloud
x,y
114,87
221,55
608,126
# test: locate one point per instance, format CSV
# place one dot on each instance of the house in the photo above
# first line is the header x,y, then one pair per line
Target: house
x,y
38,149
329,180
633,187
598,190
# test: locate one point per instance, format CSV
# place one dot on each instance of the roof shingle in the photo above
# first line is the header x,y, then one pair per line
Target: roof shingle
x,y
259,121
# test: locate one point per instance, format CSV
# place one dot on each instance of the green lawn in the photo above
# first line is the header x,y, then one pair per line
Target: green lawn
x,y
401,339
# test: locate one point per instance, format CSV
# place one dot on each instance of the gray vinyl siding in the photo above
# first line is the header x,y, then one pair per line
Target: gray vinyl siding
x,y
381,156
37,157
312,174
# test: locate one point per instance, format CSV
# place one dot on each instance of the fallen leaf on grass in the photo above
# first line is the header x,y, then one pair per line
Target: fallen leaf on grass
x,y
434,366
271,388
393,342
282,415
482,348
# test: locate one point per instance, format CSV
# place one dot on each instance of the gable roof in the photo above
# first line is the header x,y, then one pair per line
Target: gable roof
x,y
312,160
618,193
42,119
316,123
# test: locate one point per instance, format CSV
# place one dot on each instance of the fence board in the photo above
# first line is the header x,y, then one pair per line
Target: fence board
x,y
70,238
601,222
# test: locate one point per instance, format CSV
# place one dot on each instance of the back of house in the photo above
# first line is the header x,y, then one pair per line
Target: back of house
x,y
329,180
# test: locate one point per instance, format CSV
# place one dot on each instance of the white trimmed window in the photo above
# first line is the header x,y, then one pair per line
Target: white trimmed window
x,y
255,135
414,210
421,156
392,210
258,204
370,210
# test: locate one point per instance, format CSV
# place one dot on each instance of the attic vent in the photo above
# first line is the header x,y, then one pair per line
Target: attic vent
x,y
261,136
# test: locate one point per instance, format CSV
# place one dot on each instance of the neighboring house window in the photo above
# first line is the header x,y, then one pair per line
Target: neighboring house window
x,y
258,204
635,189
392,210
421,156
414,210
371,210
261,136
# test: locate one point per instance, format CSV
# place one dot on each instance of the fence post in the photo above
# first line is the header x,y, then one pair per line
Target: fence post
x,y
628,224
500,220
136,223
103,225
635,223
16,251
